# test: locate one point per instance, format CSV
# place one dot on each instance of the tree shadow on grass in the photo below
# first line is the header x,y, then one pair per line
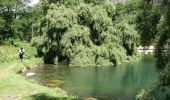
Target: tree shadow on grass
x,y
43,96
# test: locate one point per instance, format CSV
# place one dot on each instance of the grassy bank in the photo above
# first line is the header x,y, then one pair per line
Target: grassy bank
x,y
14,86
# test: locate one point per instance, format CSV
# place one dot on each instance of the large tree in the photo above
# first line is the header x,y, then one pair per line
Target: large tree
x,y
16,19
158,29
84,34
147,21
9,13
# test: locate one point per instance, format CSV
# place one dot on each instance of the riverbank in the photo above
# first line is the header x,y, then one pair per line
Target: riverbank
x,y
103,83
14,86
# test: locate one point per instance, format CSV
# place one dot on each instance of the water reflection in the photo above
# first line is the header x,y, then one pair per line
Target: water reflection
x,y
120,82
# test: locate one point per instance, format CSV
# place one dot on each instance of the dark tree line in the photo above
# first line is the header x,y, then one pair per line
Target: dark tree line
x,y
153,22
16,20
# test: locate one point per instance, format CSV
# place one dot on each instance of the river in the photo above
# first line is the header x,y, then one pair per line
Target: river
x,y
121,82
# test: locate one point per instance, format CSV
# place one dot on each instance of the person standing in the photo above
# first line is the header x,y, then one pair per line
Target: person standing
x,y
21,53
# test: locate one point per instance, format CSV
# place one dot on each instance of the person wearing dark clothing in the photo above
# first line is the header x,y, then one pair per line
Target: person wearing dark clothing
x,y
21,53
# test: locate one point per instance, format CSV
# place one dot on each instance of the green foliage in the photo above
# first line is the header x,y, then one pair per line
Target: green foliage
x,y
40,43
147,22
127,12
85,14
8,14
95,17
17,20
154,21
3,58
100,20
77,46
133,6
163,54
2,22
85,35
144,95
63,18
82,32
84,57
163,40
129,8
10,53
65,2
75,37
165,76
129,37
95,1
111,10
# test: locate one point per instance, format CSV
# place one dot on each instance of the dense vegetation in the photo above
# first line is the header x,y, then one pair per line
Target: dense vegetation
x,y
80,32
17,21
90,32
85,33
154,25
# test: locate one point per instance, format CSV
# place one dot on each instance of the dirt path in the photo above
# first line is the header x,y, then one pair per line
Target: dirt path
x,y
12,97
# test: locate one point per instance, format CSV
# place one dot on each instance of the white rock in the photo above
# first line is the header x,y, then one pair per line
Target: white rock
x,y
30,74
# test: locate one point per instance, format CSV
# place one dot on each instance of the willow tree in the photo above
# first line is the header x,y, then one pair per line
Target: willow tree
x,y
57,21
84,34
77,46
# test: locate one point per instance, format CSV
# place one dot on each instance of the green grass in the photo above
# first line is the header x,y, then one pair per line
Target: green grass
x,y
14,86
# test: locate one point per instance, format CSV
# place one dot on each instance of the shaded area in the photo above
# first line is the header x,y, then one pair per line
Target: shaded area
x,y
43,96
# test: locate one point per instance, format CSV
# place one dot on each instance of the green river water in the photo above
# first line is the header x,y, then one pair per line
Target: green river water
x,y
121,82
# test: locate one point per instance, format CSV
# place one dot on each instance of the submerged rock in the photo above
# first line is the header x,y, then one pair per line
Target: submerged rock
x,y
90,99
30,74
24,70
54,83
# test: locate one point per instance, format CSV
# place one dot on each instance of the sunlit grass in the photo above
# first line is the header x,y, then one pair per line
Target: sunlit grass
x,y
16,86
